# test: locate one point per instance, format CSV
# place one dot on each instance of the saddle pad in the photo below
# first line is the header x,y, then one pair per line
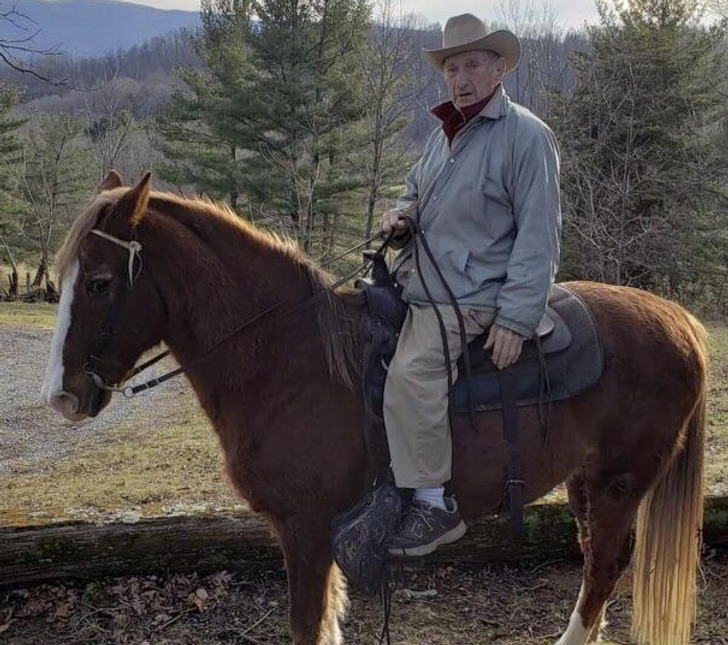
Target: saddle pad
x,y
573,361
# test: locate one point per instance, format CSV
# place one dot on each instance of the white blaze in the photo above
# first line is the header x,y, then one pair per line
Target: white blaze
x,y
53,383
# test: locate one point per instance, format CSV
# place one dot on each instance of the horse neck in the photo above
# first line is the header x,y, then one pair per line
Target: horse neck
x,y
215,276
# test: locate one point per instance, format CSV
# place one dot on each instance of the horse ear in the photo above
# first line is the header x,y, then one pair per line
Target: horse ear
x,y
113,180
134,203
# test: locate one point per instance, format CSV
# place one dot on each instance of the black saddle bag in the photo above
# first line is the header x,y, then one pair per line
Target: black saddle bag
x,y
361,535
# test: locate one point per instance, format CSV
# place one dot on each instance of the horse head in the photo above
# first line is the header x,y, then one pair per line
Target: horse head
x,y
104,290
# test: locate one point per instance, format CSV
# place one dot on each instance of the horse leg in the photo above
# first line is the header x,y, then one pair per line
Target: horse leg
x,y
316,587
576,488
607,506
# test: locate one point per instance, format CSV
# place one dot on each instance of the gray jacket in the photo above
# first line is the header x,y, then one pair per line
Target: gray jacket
x,y
489,210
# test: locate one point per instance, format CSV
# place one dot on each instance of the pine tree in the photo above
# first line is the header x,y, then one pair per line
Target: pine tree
x,y
10,148
642,182
200,133
273,114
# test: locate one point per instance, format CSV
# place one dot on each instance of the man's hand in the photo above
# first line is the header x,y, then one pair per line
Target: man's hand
x,y
506,346
395,220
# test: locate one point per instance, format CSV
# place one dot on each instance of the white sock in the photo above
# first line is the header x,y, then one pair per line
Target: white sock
x,y
432,496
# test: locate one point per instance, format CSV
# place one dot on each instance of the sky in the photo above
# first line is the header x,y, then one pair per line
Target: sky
x,y
570,13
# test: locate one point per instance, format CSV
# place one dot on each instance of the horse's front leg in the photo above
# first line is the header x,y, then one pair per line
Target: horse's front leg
x,y
316,587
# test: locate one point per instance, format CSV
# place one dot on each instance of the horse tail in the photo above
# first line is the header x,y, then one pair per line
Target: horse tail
x,y
669,530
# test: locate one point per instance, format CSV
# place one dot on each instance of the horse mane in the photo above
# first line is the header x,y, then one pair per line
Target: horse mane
x,y
337,320
80,229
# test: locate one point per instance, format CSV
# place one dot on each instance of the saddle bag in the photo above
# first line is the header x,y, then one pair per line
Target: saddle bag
x,y
361,535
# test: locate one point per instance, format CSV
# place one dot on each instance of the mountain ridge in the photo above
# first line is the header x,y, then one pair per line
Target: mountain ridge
x,y
88,28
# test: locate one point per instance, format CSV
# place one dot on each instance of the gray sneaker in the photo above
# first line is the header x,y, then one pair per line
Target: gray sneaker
x,y
425,527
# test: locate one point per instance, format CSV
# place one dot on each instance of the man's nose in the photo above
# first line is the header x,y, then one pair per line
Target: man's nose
x,y
461,82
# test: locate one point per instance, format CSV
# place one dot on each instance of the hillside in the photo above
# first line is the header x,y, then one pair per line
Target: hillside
x,y
89,28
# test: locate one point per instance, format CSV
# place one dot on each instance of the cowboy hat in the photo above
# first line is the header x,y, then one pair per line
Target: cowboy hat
x,y
466,33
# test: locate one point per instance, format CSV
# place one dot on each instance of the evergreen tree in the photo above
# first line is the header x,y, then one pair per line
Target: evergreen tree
x,y
642,176
200,134
275,113
9,149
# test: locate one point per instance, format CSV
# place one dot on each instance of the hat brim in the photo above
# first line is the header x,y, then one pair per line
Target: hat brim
x,y
501,42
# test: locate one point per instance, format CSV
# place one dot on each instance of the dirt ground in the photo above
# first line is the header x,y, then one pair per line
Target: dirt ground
x,y
525,604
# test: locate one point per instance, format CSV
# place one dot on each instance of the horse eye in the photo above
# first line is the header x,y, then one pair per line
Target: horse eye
x,y
98,287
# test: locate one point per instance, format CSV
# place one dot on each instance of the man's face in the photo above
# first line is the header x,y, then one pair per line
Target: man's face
x,y
472,76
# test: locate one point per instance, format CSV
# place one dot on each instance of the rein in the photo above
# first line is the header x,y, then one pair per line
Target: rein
x,y
134,248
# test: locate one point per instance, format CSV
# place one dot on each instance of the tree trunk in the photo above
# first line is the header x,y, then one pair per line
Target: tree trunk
x,y
224,541
14,284
40,274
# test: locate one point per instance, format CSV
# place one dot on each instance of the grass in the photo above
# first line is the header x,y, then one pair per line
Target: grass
x,y
164,464
36,315
170,461
716,464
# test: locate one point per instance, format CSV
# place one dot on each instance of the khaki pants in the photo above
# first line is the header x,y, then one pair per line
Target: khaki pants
x,y
416,396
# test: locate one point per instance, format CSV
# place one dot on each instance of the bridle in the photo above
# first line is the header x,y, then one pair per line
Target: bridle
x,y
134,269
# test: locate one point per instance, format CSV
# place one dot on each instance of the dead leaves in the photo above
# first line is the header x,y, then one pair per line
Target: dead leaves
x,y
117,611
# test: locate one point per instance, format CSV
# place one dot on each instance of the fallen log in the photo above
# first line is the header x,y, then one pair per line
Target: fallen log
x,y
85,551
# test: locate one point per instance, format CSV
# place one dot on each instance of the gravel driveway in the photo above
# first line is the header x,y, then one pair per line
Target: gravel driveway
x,y
29,429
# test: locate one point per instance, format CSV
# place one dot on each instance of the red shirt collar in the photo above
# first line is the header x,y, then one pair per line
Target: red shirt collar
x,y
454,119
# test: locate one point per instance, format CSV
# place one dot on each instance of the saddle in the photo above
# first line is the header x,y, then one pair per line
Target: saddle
x,y
562,360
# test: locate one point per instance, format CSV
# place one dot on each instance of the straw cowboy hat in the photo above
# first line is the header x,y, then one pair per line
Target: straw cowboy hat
x,y
466,33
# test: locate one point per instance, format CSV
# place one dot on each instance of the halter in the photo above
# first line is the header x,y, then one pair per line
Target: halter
x,y
135,249
134,269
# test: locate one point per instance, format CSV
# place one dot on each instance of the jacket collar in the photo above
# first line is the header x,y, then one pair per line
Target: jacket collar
x,y
493,109
496,107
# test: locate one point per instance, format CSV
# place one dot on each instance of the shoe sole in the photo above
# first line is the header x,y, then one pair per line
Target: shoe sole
x,y
446,538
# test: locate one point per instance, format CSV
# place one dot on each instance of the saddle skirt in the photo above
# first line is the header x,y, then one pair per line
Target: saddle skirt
x,y
564,358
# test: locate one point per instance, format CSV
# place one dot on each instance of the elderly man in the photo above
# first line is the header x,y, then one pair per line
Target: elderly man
x,y
486,191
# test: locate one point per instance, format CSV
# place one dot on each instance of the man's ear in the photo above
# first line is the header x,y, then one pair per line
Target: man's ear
x,y
135,202
113,180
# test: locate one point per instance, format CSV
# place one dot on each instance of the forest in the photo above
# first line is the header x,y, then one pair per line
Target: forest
x,y
304,118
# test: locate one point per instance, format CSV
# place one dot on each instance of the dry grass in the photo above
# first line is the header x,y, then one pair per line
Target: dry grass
x,y
163,463
717,420
37,315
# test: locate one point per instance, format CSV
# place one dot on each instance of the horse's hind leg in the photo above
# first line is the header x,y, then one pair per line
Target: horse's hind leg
x,y
576,487
316,588
605,507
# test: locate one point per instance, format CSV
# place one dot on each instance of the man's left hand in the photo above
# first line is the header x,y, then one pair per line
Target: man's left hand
x,y
506,346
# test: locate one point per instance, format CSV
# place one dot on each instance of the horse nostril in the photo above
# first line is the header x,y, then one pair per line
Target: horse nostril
x,y
65,403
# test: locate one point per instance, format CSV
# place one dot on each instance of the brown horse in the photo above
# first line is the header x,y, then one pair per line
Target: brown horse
x,y
276,380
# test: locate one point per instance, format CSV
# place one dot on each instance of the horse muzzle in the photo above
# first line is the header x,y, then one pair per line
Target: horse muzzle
x,y
75,408
68,405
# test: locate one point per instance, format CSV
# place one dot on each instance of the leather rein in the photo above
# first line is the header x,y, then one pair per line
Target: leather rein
x,y
134,269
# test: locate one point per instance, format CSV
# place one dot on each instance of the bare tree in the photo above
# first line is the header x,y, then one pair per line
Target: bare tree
x,y
18,45
55,174
111,124
544,61
394,92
